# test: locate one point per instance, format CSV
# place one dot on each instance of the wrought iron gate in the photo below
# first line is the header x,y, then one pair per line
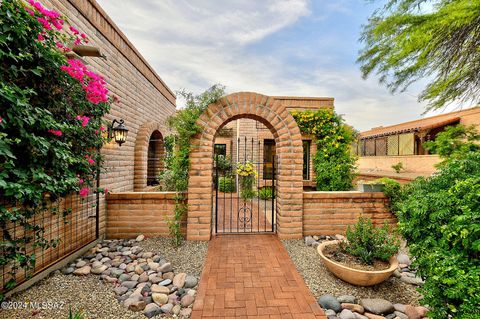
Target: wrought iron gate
x,y
244,193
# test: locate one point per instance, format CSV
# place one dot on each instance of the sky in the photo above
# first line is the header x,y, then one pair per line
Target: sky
x,y
273,47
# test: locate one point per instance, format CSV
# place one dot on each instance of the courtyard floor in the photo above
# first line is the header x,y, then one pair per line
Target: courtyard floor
x,y
252,276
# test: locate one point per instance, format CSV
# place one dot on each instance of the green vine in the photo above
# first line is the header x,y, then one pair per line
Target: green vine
x,y
334,164
175,175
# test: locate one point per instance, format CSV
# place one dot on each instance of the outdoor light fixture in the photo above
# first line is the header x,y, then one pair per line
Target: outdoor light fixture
x,y
119,132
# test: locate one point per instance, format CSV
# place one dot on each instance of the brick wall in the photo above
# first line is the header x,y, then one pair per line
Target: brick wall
x,y
145,100
133,213
329,213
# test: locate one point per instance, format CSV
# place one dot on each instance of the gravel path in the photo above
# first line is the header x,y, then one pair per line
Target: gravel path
x,y
321,281
93,297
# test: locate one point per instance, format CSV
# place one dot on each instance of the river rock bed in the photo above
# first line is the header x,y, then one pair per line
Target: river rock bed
x,y
104,288
354,302
142,281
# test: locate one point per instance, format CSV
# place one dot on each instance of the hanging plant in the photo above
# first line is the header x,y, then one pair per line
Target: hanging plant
x,y
247,176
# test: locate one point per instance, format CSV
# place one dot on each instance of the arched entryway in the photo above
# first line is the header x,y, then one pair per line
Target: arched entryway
x,y
149,153
288,142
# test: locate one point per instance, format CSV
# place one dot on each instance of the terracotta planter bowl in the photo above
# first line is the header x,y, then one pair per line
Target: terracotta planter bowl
x,y
355,276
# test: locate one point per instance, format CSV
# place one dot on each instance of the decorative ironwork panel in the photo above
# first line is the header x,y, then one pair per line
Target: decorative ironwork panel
x,y
244,197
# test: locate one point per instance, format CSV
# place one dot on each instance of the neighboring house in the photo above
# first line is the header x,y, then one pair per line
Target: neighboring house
x,y
247,139
382,147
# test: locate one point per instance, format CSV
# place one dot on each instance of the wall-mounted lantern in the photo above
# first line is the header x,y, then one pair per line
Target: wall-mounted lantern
x,y
119,132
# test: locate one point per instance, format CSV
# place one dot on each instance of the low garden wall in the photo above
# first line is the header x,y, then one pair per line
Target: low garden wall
x,y
133,213
329,213
324,213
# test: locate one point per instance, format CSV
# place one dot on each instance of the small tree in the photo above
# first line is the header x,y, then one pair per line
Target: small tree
x,y
409,40
455,141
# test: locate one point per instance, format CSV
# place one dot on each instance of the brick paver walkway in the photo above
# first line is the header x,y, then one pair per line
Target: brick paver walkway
x,y
252,276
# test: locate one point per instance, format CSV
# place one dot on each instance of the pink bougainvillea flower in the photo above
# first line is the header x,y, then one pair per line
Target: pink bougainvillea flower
x,y
40,37
81,181
55,132
46,25
84,192
105,190
83,119
102,128
77,42
75,68
83,35
59,45
1,120
30,12
74,30
90,160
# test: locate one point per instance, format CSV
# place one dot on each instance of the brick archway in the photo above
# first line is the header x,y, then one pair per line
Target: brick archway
x,y
288,139
141,154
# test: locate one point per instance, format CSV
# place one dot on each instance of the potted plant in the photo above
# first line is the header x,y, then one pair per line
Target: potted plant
x,y
246,175
370,187
366,257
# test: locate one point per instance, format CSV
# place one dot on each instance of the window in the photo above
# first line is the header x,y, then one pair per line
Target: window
x,y
306,160
268,155
220,149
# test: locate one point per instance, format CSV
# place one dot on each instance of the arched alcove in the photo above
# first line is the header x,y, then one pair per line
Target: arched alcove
x,y
149,152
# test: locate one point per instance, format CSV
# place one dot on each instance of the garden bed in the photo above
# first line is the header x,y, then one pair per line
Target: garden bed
x,y
321,281
94,297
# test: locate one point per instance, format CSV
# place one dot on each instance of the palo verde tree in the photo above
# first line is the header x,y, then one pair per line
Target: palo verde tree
x,y
408,40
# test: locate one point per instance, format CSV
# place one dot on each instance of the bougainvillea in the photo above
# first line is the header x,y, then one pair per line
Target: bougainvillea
x,y
51,116
333,162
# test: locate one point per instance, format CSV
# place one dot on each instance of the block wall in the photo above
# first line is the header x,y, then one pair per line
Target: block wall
x,y
144,99
329,213
132,213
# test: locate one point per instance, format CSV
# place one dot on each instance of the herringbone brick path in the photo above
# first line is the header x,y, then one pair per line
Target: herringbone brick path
x,y
252,276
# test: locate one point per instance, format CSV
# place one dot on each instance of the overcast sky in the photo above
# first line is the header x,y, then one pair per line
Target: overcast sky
x,y
273,47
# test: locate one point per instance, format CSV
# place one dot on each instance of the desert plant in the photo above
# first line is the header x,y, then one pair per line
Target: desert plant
x,y
368,242
265,193
226,184
398,167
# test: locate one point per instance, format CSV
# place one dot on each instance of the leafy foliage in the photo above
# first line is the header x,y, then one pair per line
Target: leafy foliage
x,y
75,315
455,141
398,167
265,193
333,162
439,216
368,242
409,40
226,184
391,189
50,123
184,124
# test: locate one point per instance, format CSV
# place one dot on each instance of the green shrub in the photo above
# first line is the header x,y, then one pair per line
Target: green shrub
x,y
368,242
226,184
398,167
455,141
440,218
391,189
265,193
333,162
